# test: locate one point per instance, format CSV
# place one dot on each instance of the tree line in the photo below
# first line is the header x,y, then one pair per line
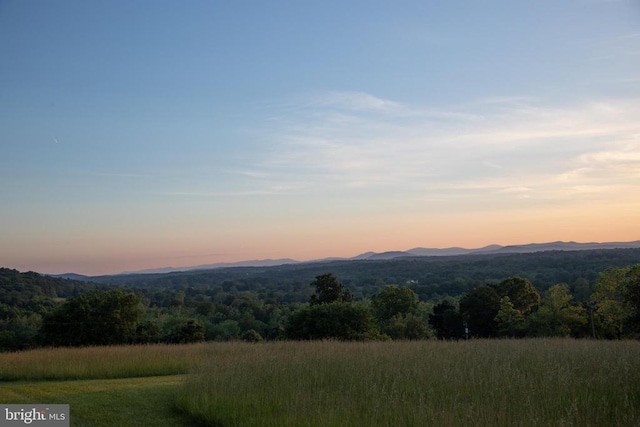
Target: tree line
x,y
38,310
432,278
514,308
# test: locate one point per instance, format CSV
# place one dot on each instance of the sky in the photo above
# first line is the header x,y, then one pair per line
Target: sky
x,y
152,133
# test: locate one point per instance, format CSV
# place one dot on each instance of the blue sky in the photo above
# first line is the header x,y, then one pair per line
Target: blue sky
x,y
151,133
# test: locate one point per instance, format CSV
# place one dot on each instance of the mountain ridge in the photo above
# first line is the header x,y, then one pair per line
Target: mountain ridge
x,y
389,255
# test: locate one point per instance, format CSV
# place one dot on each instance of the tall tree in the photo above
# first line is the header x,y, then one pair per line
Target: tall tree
x,y
632,296
479,308
522,294
447,321
337,320
99,318
558,316
510,320
393,300
329,290
617,301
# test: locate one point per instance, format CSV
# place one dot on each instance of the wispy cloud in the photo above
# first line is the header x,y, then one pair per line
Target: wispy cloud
x,y
354,101
222,194
118,174
507,146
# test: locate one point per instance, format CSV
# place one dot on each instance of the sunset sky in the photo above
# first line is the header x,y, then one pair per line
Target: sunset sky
x,y
143,134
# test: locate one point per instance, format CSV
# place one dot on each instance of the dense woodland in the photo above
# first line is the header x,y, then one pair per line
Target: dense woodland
x,y
579,294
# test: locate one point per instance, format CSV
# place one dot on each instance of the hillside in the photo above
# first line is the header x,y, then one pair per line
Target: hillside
x,y
428,276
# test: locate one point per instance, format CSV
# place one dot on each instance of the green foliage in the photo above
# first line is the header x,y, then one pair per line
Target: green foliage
x,y
185,331
252,336
582,290
24,299
227,304
432,278
147,332
395,309
338,320
522,295
35,291
612,310
407,327
509,319
19,332
393,300
98,318
479,308
447,321
329,290
224,331
557,315
632,296
617,301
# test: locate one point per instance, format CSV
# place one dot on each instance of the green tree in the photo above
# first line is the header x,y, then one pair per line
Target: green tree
x,y
147,332
510,320
479,308
251,336
329,290
19,332
185,331
632,296
337,320
558,316
522,294
447,321
393,300
224,331
617,301
582,289
407,327
98,318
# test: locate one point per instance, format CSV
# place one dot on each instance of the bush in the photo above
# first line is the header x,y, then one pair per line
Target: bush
x,y
337,320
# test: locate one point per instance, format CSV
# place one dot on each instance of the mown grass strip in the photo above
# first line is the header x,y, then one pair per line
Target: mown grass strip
x,y
114,402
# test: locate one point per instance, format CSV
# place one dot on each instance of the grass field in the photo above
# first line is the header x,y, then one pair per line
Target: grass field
x,y
143,401
544,382
100,362
550,382
104,386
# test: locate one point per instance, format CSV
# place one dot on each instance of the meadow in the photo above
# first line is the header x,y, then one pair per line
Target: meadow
x,y
100,362
551,382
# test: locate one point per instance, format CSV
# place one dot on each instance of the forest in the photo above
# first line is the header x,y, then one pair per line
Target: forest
x,y
568,294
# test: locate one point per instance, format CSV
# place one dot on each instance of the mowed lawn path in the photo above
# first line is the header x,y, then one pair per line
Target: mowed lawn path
x,y
143,401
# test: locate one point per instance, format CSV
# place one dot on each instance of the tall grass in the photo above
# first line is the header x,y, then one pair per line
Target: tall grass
x,y
549,382
100,362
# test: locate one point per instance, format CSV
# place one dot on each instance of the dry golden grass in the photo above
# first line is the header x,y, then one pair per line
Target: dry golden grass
x,y
100,362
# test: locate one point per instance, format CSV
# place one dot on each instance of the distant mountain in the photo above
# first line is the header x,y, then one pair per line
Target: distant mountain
x,y
498,249
374,256
251,263
72,276
431,275
565,246
450,251
365,255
